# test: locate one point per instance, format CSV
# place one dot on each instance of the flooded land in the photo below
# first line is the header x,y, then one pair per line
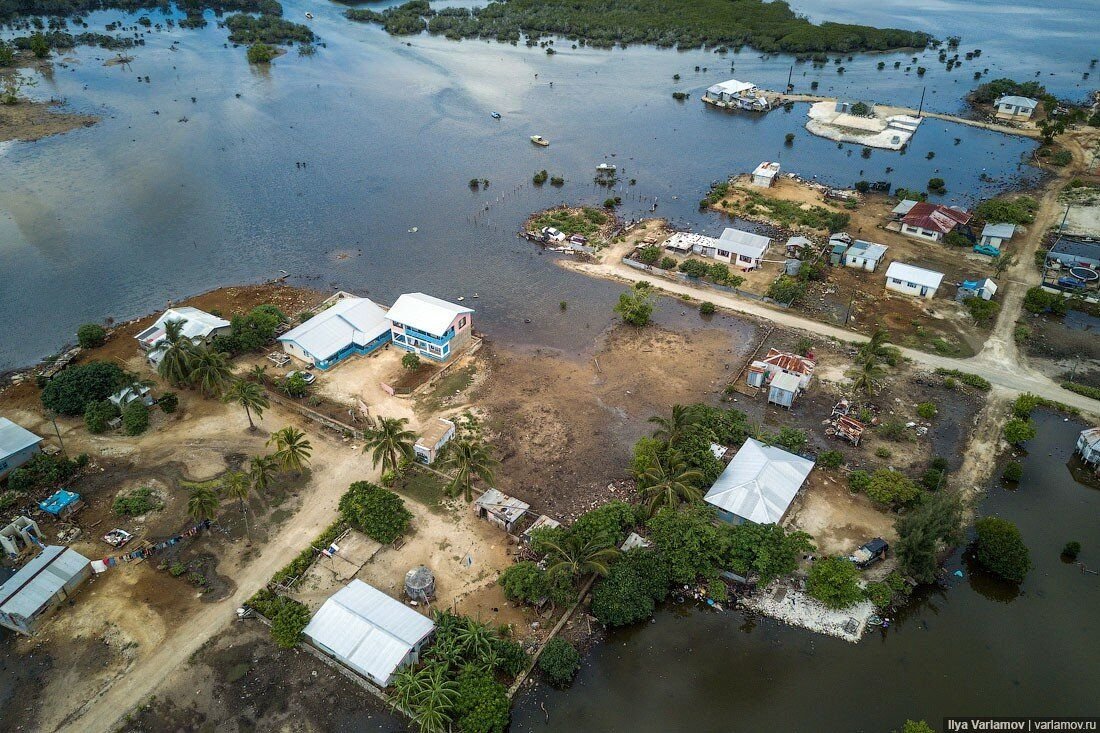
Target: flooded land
x,y
380,155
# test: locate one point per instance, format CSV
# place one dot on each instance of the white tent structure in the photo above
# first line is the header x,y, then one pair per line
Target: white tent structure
x,y
352,325
759,484
368,631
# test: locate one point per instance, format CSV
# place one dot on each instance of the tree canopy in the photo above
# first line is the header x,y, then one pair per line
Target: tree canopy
x,y
70,391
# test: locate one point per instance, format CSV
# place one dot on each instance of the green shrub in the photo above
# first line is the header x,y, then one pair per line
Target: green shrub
x,y
540,178
1071,550
858,481
1037,300
378,513
883,452
835,582
707,308
648,254
1020,210
70,391
1001,549
786,289
1082,389
169,402
667,263
290,618
560,662
982,311
8,499
410,361
629,594
1014,471
482,705
40,472
1017,431
971,380
635,306
892,488
98,414
927,410
789,439
135,418
137,502
91,335
524,582
695,268
260,53
831,459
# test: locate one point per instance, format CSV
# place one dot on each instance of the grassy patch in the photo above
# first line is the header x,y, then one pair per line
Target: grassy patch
x,y
586,222
456,380
423,487
136,502
784,213
1081,389
967,378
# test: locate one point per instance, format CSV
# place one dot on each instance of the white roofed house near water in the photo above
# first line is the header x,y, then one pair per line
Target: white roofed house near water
x,y
759,484
352,325
368,631
425,312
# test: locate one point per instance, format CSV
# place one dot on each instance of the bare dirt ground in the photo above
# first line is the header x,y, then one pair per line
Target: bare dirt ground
x,y
839,520
240,680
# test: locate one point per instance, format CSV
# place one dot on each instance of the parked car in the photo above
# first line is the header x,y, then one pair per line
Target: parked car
x,y
1071,282
553,234
307,377
578,239
870,553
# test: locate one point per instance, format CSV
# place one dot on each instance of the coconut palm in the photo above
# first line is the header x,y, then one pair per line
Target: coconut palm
x,y
236,485
668,481
261,470
210,371
390,442
202,503
877,346
469,458
669,429
176,352
258,372
865,375
576,559
250,396
292,449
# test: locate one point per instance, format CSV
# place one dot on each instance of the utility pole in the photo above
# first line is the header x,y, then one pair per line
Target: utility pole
x,y
1062,226
921,107
789,75
849,311
53,418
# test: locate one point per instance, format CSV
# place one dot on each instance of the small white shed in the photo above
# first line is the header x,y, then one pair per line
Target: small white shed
x,y
994,235
765,173
1088,446
782,390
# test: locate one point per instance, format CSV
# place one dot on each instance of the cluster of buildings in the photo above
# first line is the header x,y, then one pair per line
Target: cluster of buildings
x,y
735,94
741,249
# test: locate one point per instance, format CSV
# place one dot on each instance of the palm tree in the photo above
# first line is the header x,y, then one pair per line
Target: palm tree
x,y
390,442
470,459
668,481
250,396
261,469
865,375
236,485
210,371
669,429
577,559
475,640
292,449
202,503
877,345
258,372
176,353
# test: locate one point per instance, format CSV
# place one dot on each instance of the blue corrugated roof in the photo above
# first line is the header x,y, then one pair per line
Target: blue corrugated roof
x,y
60,499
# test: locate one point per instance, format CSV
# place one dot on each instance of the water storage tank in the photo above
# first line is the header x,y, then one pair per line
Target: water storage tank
x,y
420,584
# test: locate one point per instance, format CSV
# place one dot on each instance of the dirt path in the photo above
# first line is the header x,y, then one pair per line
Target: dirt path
x,y
103,712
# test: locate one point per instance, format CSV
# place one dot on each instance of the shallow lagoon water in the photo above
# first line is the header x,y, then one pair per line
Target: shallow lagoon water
x,y
114,220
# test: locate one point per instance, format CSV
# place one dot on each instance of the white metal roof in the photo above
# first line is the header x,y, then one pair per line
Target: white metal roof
x,y
731,86
903,208
1017,101
685,241
914,274
767,169
785,382
425,312
26,592
867,250
14,438
1090,436
499,503
745,243
196,324
349,321
760,482
1000,231
367,630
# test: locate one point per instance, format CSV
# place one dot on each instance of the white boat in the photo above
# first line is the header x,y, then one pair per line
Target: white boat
x,y
309,16
606,168
540,140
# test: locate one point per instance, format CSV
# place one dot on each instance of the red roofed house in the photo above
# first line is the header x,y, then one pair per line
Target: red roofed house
x,y
776,362
933,221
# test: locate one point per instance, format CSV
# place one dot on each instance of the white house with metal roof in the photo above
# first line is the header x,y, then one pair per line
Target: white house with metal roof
x,y
994,235
743,249
765,174
759,484
1014,107
17,446
197,325
369,632
429,326
912,280
352,325
864,255
735,94
40,586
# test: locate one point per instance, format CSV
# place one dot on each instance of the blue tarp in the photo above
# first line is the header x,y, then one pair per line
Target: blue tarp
x,y
56,504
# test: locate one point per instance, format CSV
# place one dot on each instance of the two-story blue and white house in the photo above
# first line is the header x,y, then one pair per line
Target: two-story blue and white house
x,y
430,327
350,326
17,446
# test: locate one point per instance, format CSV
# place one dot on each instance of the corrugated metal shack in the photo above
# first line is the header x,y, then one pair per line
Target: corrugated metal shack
x,y
43,584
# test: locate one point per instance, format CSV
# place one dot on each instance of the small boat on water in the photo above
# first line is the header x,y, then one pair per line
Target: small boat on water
x,y
309,16
495,115
540,140
606,168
